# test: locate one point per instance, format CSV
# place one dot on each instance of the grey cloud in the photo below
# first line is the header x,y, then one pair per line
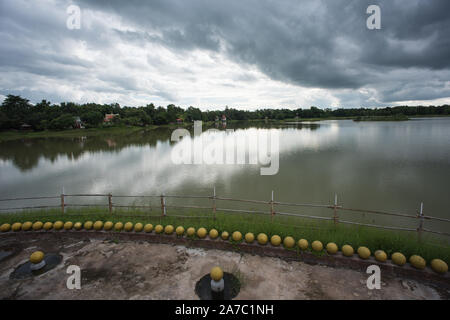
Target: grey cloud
x,y
245,77
32,41
122,82
165,94
310,43
416,91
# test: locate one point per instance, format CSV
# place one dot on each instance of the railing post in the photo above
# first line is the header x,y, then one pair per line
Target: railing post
x,y
214,203
421,217
335,215
63,205
272,211
163,205
110,203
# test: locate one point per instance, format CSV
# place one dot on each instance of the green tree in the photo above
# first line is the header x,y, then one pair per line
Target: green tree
x,y
4,121
92,118
193,114
63,122
16,110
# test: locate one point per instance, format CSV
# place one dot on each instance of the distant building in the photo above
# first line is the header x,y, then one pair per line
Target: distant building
x,y
78,123
179,120
224,118
26,127
109,117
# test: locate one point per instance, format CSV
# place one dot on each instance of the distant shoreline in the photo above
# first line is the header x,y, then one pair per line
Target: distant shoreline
x,y
17,134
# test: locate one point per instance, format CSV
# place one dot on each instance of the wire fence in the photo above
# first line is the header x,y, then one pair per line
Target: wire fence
x,y
274,208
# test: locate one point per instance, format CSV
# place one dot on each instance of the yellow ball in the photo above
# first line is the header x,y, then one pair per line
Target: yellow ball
x,y
216,273
201,233
179,231
58,225
37,225
148,227
363,252
398,258
108,225
317,246
249,237
159,228
128,227
98,225
48,226
303,244
17,226
36,257
88,225
5,227
78,226
332,248
225,235
190,231
168,229
380,255
236,236
138,227
417,262
68,225
289,242
347,250
213,233
118,226
275,240
26,226
262,238
439,266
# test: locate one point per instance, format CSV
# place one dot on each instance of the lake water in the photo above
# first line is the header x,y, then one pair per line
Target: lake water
x,y
390,166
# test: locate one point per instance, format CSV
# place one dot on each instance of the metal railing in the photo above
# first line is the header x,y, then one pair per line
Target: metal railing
x,y
272,209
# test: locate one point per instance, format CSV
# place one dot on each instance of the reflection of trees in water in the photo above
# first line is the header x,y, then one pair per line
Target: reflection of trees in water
x,y
268,125
261,125
25,153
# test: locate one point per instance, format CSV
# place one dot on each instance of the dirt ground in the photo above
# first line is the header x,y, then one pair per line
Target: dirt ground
x,y
141,270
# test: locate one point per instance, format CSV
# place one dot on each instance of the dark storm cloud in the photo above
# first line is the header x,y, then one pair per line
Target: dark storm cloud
x,y
310,43
417,35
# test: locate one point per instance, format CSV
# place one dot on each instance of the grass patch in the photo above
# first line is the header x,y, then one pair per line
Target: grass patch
x,y
15,134
429,248
116,130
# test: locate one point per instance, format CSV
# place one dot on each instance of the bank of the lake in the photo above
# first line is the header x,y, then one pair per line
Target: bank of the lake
x,y
116,130
429,247
18,134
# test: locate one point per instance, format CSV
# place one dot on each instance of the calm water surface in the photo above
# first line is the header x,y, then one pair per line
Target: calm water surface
x,y
389,166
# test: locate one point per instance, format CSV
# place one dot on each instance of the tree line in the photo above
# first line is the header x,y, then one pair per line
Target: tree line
x,y
17,112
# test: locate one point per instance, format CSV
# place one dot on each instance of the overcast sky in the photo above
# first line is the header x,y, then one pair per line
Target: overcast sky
x,y
242,53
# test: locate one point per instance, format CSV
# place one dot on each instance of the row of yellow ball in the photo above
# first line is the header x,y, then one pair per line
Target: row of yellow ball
x,y
397,258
